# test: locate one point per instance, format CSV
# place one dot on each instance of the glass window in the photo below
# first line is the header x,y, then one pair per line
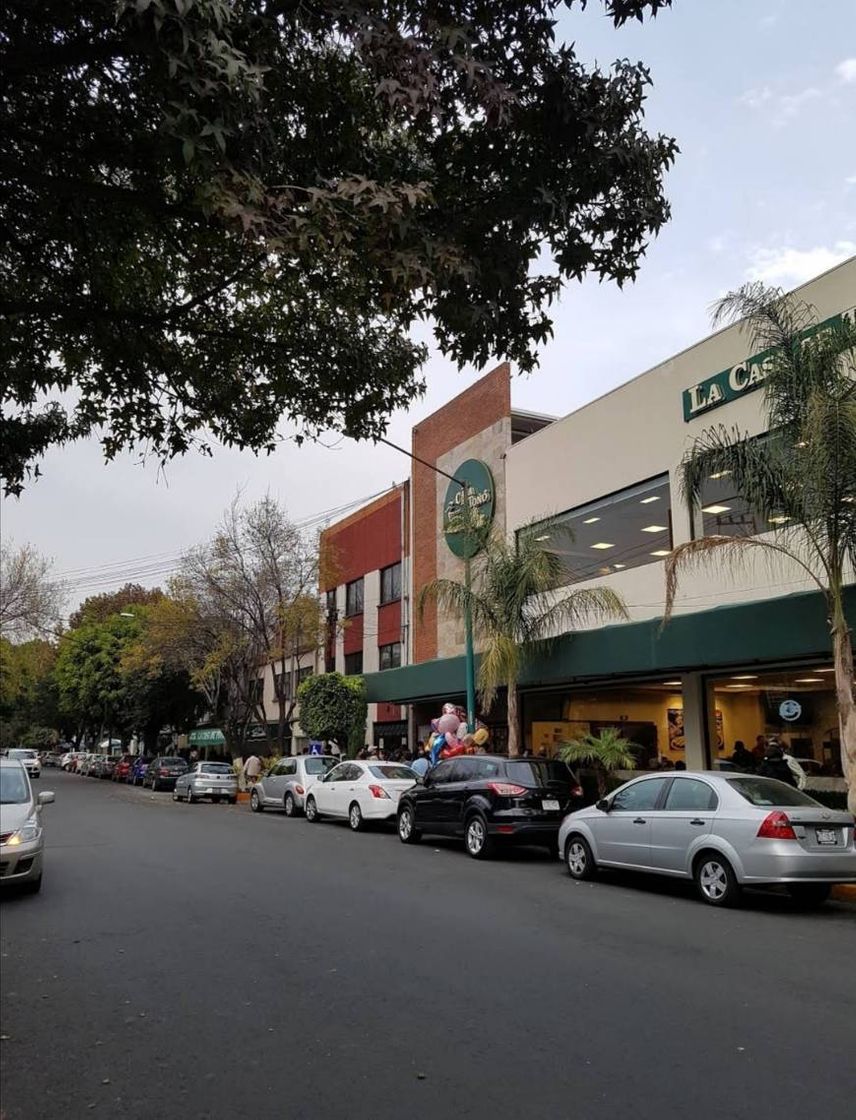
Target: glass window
x,y
534,772
441,773
315,764
390,583
215,768
689,793
331,601
624,530
339,774
725,514
13,786
768,793
354,597
397,773
304,673
641,795
390,656
353,663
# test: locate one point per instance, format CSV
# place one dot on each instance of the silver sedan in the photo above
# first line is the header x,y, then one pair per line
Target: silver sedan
x,y
214,780
724,831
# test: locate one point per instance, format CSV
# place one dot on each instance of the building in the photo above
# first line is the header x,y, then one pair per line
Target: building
x,y
743,656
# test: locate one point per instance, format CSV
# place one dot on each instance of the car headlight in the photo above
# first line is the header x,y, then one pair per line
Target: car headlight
x,y
24,835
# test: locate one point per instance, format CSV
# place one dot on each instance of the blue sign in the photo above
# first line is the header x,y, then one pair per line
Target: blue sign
x,y
791,710
315,747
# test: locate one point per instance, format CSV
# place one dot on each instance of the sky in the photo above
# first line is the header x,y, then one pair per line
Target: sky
x,y
761,97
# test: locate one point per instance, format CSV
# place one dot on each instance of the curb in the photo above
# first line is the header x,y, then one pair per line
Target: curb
x,y
844,892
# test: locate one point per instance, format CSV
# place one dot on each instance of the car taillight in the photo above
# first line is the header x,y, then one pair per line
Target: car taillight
x,y
777,826
577,791
506,789
163,770
300,790
379,791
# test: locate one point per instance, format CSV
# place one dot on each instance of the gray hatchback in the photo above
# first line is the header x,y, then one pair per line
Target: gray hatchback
x,y
286,786
724,831
214,780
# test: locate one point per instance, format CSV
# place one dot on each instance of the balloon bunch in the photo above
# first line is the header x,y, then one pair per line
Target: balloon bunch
x,y
451,737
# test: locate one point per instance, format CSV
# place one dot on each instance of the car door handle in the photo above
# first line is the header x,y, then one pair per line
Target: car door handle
x,y
697,820
639,820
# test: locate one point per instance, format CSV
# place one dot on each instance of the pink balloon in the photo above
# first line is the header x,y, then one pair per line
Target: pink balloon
x,y
451,740
447,723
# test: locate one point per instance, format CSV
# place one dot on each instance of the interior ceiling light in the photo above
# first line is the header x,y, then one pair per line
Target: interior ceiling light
x,y
647,501
745,677
624,566
809,680
603,544
719,474
816,670
778,519
738,686
591,520
545,537
715,509
655,529
674,684
661,552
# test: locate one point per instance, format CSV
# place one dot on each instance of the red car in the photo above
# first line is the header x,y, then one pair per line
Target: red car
x,y
122,769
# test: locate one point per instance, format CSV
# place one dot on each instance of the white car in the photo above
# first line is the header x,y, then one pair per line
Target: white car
x,y
359,792
21,837
29,759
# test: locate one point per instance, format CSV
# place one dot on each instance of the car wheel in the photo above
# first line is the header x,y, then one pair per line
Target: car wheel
x,y
715,880
408,833
256,802
311,810
579,858
809,894
232,800
33,887
355,817
476,838
290,806
175,795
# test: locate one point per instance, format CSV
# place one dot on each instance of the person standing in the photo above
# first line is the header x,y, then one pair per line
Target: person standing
x,y
743,758
252,769
799,774
774,766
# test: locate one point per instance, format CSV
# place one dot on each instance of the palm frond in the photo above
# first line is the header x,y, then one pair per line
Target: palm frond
x,y
733,552
499,664
767,314
454,598
608,750
578,607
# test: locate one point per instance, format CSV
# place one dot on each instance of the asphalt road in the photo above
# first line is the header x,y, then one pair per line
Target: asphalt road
x,y
199,961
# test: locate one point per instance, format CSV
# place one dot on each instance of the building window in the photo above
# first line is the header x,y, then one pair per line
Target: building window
x,y
354,662
624,530
390,583
722,513
304,674
354,597
281,686
256,690
390,656
331,602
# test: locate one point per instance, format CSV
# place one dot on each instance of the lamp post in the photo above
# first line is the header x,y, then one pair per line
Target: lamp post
x,y
468,616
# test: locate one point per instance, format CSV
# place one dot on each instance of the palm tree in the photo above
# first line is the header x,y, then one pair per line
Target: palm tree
x,y
605,752
801,477
514,602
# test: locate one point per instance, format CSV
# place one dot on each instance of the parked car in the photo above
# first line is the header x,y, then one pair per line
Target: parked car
x,y
724,831
286,786
29,759
489,798
215,780
105,766
21,838
51,759
122,768
89,764
163,771
359,792
139,768
70,760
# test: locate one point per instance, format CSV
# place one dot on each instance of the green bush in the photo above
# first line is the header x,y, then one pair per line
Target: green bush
x,y
334,708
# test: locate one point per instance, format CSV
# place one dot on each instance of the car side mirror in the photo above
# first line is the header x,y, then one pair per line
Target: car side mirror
x,y
46,797
603,805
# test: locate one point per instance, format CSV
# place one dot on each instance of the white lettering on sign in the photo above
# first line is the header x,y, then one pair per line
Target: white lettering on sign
x,y
737,378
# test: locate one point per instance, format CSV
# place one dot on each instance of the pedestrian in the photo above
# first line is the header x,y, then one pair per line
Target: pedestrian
x,y
741,757
797,770
774,766
420,765
680,764
252,769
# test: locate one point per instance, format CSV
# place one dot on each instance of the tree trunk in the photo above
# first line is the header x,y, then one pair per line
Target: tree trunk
x,y
842,651
513,721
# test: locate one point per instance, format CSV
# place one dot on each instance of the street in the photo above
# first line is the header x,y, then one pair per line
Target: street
x,y
200,961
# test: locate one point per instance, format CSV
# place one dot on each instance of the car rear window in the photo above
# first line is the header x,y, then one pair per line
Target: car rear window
x,y
767,792
394,773
538,772
217,768
315,764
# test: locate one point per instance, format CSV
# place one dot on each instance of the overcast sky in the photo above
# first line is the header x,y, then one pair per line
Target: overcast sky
x,y
761,96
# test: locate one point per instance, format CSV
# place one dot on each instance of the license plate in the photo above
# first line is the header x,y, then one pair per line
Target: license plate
x,y
827,836
550,806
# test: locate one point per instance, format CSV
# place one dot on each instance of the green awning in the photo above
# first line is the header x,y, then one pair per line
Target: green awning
x,y
206,736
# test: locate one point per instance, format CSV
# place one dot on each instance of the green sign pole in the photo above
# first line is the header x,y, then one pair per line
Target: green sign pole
x,y
471,658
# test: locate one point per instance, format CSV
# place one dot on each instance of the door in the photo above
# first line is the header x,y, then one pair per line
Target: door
x,y
325,789
623,835
687,813
428,799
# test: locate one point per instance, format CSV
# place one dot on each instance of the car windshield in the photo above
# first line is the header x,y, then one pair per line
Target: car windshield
x,y
216,768
315,764
13,786
392,772
538,772
18,753
767,792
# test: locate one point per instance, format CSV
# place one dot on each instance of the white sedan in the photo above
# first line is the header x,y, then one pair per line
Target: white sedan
x,y
359,792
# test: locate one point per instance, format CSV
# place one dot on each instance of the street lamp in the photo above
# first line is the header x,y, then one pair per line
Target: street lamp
x,y
468,615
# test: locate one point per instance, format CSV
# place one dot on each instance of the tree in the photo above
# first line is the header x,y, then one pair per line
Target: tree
x,y
515,603
219,215
29,698
97,608
605,752
801,478
333,708
30,601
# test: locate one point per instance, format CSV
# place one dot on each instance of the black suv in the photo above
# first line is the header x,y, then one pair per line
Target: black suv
x,y
485,797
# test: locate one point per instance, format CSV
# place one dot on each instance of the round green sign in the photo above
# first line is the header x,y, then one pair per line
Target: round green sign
x,y
465,526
